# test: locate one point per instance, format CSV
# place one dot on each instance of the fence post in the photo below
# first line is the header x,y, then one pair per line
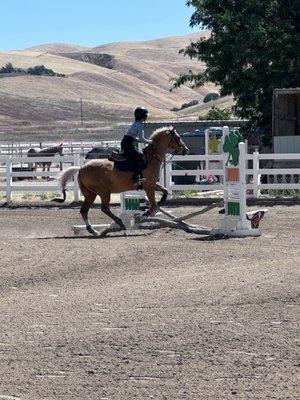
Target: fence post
x,y
8,178
256,175
242,185
162,173
75,185
168,166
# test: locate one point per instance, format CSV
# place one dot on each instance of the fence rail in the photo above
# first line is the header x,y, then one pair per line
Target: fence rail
x,y
10,179
69,148
207,167
16,176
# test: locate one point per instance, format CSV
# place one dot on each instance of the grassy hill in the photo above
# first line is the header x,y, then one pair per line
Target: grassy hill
x,y
110,79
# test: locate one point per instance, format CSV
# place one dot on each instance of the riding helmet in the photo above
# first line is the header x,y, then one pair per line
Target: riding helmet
x,y
140,114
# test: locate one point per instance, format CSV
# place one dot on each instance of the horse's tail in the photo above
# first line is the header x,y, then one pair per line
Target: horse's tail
x,y
64,178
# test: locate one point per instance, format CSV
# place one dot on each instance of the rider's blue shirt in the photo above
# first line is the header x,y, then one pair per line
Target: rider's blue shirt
x,y
137,131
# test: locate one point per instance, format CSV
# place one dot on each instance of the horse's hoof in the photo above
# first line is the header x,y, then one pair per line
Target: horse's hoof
x,y
151,212
92,231
103,233
146,214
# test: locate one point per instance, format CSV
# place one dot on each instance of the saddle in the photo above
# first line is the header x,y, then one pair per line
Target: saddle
x,y
124,163
116,156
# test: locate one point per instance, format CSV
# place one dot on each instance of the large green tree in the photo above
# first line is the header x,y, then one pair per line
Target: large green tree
x,y
253,47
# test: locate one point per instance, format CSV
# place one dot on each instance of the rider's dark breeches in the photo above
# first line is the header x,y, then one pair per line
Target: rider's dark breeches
x,y
127,145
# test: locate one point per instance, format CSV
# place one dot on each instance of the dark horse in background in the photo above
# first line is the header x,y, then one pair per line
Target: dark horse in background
x,y
47,152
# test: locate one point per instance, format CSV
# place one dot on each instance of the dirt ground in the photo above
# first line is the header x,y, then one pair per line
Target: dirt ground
x,y
165,315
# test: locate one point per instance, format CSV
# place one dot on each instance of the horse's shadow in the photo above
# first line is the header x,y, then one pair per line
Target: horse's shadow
x,y
90,237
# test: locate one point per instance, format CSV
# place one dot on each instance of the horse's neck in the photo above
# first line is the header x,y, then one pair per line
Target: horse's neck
x,y
160,150
51,150
155,156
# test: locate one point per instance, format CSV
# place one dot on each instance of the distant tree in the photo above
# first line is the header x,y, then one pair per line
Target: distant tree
x,y
216,113
37,70
42,70
8,69
252,49
210,97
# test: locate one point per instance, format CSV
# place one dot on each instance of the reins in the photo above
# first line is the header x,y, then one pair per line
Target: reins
x,y
173,154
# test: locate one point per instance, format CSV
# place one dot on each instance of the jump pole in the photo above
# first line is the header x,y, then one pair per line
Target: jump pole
x,y
132,203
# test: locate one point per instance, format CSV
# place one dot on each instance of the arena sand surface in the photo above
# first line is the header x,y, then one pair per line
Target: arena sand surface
x,y
162,316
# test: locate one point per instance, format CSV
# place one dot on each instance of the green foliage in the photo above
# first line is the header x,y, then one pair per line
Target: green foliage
x,y
216,113
37,70
42,70
211,96
252,49
9,69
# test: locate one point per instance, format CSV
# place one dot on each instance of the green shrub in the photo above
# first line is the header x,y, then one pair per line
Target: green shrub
x,y
216,113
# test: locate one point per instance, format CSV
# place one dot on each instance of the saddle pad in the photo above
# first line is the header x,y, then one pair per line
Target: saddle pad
x,y
126,165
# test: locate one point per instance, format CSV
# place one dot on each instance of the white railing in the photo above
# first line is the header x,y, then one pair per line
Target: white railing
x,y
69,148
15,167
13,174
173,169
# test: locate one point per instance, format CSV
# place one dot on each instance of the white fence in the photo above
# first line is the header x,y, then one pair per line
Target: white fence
x,y
288,176
15,176
69,148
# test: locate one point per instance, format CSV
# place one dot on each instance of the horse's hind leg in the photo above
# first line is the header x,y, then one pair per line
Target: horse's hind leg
x,y
105,199
89,199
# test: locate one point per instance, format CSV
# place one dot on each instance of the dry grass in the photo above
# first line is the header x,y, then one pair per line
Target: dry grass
x,y
141,75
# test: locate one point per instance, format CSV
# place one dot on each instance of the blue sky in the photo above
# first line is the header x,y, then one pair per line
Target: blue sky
x,y
26,23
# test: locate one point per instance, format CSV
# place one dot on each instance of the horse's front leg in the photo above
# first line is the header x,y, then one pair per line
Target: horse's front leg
x,y
150,192
164,196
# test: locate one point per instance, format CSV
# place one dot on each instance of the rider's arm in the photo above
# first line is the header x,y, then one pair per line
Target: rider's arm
x,y
141,136
144,140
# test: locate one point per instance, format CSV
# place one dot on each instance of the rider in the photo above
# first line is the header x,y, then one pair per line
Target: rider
x,y
135,135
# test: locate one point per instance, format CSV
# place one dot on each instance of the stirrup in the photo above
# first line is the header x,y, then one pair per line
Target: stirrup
x,y
140,183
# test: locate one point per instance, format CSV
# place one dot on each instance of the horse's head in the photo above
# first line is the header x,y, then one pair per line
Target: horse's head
x,y
176,143
55,150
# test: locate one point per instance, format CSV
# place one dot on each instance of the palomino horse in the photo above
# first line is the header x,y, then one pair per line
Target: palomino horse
x,y
47,152
101,177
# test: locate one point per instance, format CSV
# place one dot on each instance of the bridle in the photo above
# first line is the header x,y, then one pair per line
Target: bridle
x,y
174,138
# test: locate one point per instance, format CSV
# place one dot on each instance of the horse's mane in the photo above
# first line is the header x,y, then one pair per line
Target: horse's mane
x,y
160,132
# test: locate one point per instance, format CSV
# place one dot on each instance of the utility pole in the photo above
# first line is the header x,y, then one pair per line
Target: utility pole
x,y
81,111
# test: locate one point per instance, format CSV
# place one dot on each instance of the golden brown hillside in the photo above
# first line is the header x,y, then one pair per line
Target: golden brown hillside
x,y
138,73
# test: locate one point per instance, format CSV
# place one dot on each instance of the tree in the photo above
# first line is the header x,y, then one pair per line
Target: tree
x,y
216,113
40,70
8,69
253,48
211,96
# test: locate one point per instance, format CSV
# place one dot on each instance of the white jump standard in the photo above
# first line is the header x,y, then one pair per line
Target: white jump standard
x,y
235,222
